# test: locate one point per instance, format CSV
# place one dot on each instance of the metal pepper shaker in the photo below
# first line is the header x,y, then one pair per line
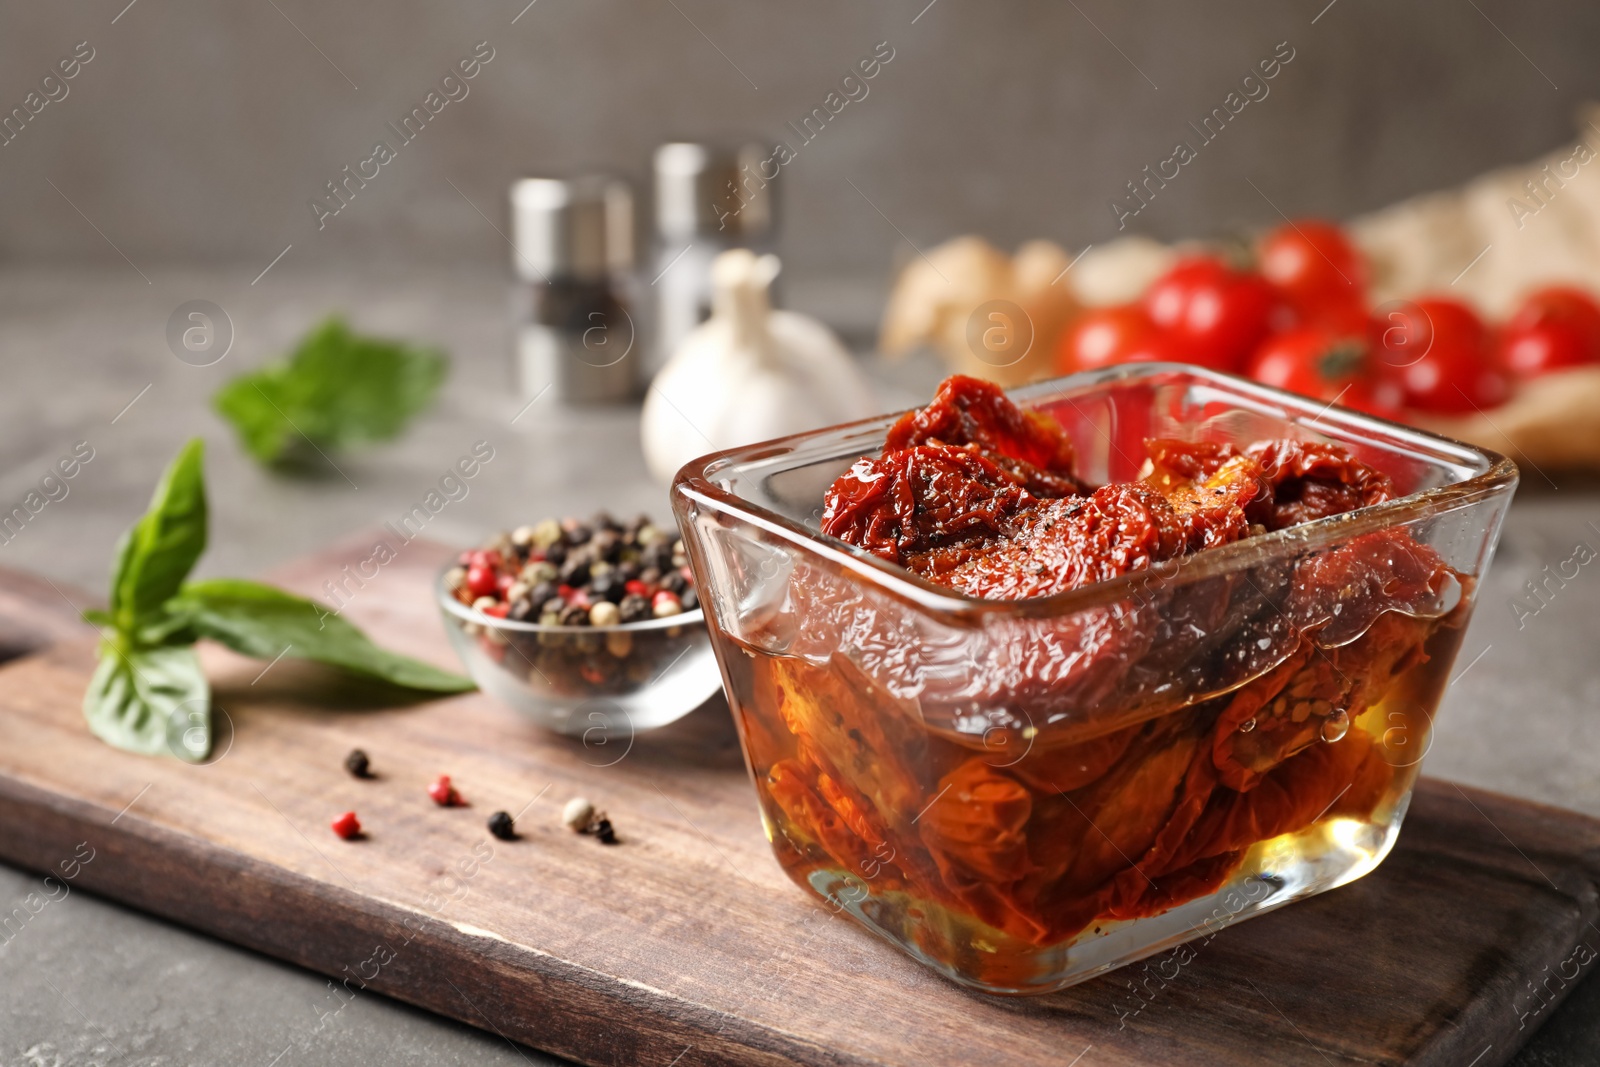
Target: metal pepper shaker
x,y
707,200
573,249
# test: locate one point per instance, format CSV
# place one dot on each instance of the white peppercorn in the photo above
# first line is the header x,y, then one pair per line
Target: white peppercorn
x,y
577,815
546,533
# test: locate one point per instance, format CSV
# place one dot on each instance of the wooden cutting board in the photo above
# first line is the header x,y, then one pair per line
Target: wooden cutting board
x,y
685,944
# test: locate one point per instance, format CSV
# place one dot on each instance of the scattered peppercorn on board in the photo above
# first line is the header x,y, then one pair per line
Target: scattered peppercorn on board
x,y
683,943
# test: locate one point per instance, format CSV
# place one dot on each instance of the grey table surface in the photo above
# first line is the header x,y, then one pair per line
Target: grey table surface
x,y
84,357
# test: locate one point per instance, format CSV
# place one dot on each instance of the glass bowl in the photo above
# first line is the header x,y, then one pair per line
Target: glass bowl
x,y
594,682
1023,794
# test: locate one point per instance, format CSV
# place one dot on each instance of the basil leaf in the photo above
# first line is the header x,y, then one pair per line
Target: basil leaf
x,y
151,701
260,621
337,389
156,554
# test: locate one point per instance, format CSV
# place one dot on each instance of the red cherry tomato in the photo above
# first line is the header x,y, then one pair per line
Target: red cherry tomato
x,y
1447,366
1107,336
1350,317
1376,394
1543,348
1215,315
1314,265
1325,364
1556,327
1562,304
1400,334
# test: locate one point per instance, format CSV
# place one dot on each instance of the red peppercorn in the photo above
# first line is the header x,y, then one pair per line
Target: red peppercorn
x,y
497,610
347,826
635,587
503,583
565,592
444,794
665,597
481,580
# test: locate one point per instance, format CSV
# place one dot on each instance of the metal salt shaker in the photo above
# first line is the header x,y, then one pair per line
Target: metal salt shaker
x,y
573,248
707,200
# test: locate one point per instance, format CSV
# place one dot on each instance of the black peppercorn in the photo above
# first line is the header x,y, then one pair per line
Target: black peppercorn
x,y
501,826
603,831
556,554
574,615
543,593
690,599
607,587
524,610
577,533
357,764
673,582
635,608
650,575
606,544
627,570
575,571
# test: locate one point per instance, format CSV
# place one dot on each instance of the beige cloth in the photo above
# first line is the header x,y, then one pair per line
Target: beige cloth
x,y
1497,236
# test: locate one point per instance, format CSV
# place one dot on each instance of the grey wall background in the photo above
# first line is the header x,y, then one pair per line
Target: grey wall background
x,y
200,130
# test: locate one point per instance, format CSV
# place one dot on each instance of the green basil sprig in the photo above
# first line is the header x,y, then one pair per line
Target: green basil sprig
x,y
148,693
338,388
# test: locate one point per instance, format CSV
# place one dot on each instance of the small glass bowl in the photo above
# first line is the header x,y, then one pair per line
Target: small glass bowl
x,y
589,681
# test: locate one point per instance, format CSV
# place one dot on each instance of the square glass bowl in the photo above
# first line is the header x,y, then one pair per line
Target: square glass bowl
x,y
1023,794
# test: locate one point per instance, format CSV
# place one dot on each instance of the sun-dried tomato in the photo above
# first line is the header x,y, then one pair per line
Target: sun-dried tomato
x,y
1310,481
920,498
969,412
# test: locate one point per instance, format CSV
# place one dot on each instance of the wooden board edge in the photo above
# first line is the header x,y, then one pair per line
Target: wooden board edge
x,y
568,1004
1530,829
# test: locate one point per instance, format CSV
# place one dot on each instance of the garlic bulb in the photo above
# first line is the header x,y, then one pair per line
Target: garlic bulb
x,y
748,373
953,298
